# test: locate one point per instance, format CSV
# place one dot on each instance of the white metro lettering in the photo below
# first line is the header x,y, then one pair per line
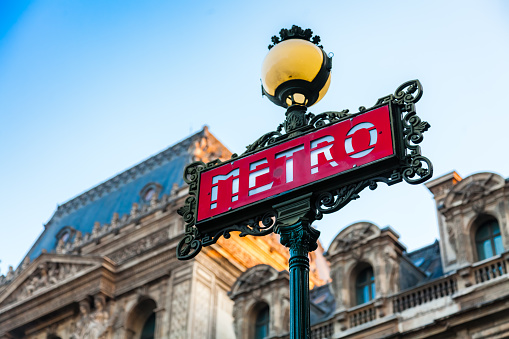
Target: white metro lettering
x,y
373,136
289,161
256,174
324,149
235,186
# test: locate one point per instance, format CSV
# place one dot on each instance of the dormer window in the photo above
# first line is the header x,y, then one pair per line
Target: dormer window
x,y
149,194
66,234
488,240
365,286
150,191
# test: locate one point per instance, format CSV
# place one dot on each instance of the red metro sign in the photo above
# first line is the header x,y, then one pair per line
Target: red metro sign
x,y
318,159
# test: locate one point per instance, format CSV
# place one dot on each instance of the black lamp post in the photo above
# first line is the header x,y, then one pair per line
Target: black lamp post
x,y
258,192
296,74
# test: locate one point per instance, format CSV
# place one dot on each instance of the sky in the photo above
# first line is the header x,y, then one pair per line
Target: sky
x,y
91,88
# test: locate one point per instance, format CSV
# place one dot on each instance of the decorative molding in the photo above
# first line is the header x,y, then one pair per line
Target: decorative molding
x,y
44,277
352,236
254,278
140,246
473,190
96,324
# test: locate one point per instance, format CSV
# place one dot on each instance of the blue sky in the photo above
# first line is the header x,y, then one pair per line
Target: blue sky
x,y
90,88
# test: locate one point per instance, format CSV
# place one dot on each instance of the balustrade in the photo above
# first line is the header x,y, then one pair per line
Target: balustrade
x,y
424,294
490,270
362,315
323,331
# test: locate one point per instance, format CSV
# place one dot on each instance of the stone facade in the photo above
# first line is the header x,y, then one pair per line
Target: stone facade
x,y
105,267
443,290
114,277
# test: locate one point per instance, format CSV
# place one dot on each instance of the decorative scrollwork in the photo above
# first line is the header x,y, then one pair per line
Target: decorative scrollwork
x,y
334,200
193,241
326,118
191,177
415,167
416,164
295,33
408,93
265,140
410,165
296,123
190,245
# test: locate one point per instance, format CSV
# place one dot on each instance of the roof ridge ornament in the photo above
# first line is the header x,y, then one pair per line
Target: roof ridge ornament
x,y
295,32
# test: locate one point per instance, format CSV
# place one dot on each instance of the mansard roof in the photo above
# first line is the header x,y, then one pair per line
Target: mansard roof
x,y
428,259
117,195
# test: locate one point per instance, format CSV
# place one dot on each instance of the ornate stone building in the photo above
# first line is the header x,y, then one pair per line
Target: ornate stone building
x,y
457,287
105,267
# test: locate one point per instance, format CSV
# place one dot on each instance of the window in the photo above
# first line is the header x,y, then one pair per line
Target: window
x,y
141,321
488,240
262,323
365,286
149,328
149,191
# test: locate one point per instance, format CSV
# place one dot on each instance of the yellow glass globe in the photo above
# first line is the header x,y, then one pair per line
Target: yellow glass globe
x,y
295,72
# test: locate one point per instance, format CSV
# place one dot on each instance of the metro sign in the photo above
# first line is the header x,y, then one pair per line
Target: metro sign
x,y
320,164
321,159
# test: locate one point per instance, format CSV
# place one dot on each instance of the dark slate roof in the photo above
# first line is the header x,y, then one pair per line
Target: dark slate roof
x,y
323,304
428,259
117,194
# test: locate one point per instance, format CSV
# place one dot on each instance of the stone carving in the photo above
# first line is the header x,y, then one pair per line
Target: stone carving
x,y
78,239
139,246
25,263
353,235
93,325
451,235
45,276
114,220
473,189
254,278
10,274
179,304
60,246
134,210
96,229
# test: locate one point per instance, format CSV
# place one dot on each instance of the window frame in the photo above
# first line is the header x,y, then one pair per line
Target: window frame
x,y
489,223
369,282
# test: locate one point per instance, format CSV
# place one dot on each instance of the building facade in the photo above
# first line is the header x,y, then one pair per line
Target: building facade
x,y
105,267
457,287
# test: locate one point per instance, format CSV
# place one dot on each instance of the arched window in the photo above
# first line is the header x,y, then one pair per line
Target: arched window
x,y
141,321
149,328
365,286
488,240
262,323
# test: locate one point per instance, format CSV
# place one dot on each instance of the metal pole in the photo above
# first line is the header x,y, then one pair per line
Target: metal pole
x,y
301,239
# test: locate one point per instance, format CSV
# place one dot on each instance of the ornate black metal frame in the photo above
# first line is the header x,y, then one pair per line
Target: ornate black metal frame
x,y
414,169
